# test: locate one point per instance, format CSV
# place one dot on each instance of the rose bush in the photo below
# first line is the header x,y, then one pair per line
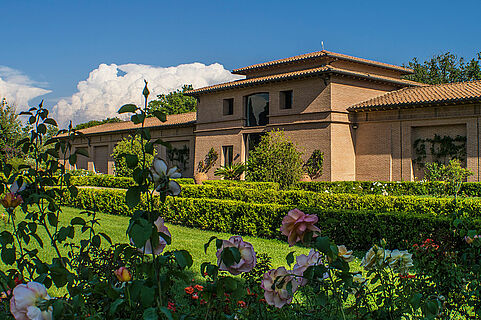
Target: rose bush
x,y
141,277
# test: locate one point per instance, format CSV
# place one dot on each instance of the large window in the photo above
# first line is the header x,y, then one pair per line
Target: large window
x,y
228,153
257,109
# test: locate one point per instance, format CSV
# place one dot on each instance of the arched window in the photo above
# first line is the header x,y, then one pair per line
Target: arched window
x,y
257,109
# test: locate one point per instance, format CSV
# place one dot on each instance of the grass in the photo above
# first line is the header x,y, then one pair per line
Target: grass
x,y
189,239
185,238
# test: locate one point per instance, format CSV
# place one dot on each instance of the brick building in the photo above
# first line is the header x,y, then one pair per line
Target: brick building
x,y
370,123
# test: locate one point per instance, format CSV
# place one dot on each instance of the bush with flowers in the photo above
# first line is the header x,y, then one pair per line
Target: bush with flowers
x,y
143,279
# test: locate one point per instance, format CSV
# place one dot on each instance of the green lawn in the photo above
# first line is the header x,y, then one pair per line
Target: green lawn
x,y
189,239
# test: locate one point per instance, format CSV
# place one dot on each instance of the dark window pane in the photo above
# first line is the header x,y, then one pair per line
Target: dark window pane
x,y
228,107
286,99
228,155
257,109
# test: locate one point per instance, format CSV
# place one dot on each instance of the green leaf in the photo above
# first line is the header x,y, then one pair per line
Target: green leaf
x,y
230,256
96,241
42,129
132,160
72,159
132,197
160,115
128,108
167,313
52,219
290,258
140,232
106,237
151,314
206,246
78,221
51,122
115,305
147,296
415,300
183,258
137,118
323,244
8,255
82,151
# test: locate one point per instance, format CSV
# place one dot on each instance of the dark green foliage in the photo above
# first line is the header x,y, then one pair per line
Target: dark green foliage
x,y
109,181
275,159
314,164
174,102
93,123
445,68
358,228
433,188
125,151
232,172
327,201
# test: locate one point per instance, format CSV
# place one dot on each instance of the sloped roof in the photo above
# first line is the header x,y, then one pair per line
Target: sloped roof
x,y
300,74
459,92
172,120
318,54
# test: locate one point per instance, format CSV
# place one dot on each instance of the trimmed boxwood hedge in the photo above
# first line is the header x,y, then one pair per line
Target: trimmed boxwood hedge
x,y
244,184
470,189
110,181
357,229
328,201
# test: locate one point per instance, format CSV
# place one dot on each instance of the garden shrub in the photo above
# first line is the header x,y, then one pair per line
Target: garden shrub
x,y
129,146
243,184
275,159
109,181
328,201
395,188
359,228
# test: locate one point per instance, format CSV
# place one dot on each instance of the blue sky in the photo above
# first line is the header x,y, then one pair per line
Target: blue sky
x,y
56,44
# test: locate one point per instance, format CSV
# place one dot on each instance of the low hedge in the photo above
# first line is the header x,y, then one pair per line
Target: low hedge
x,y
470,189
110,181
329,201
356,229
244,184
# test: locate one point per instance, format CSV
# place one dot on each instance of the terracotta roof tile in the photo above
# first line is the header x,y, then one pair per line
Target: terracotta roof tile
x,y
172,120
300,74
318,54
433,94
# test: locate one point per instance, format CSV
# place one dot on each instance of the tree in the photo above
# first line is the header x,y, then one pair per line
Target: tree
x,y
129,146
174,102
275,159
93,123
445,68
10,130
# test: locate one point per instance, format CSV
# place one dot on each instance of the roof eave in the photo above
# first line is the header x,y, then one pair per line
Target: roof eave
x,y
414,105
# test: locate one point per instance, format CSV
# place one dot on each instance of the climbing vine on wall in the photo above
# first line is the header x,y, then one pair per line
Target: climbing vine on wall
x,y
443,149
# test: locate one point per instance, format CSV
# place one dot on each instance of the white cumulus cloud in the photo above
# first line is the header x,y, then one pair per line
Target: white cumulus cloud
x,y
109,87
18,88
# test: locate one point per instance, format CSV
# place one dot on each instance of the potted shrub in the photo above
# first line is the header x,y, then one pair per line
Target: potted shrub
x,y
232,172
205,165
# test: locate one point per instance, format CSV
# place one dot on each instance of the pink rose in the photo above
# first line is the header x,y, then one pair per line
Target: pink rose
x,y
296,224
278,295
161,228
11,200
248,258
25,302
123,274
303,262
